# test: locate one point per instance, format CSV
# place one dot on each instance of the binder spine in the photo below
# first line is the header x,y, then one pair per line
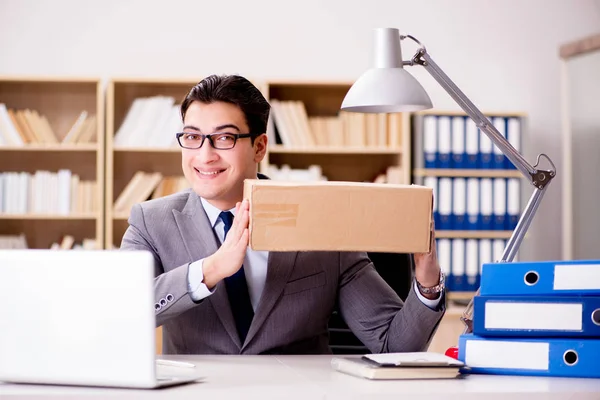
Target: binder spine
x,y
543,316
576,358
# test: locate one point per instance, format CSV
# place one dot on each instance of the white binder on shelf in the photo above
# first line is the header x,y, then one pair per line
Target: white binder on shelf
x,y
459,204
444,251
444,142
498,159
432,182
472,206
445,203
513,203
458,275
430,142
498,248
499,204
471,144
513,135
485,151
472,264
458,143
486,204
485,253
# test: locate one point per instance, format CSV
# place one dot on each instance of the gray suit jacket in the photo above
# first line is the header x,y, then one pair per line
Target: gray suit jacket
x,y
300,294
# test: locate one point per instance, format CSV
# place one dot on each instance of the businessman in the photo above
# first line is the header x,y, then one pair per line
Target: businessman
x,y
214,295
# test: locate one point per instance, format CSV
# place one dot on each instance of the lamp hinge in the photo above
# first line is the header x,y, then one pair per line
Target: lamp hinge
x,y
540,179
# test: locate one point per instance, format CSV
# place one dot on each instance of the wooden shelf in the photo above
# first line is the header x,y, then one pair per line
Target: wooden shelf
x,y
52,148
450,234
41,232
455,113
68,217
279,149
61,100
337,163
49,79
123,162
469,173
147,149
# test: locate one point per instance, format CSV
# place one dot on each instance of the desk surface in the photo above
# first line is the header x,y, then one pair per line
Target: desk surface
x,y
311,377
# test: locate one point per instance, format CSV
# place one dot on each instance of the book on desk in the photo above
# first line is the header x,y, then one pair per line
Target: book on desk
x,y
419,365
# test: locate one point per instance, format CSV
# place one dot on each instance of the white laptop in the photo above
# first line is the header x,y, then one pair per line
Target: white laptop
x,y
80,317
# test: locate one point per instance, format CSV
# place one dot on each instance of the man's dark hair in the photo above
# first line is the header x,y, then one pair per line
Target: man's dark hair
x,y
236,90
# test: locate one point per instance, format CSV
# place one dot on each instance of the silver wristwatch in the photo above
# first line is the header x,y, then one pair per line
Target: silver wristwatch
x,y
433,289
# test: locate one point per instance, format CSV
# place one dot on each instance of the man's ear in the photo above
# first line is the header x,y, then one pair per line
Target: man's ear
x,y
260,147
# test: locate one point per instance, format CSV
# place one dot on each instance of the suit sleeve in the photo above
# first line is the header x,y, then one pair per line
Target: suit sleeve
x,y
375,313
171,289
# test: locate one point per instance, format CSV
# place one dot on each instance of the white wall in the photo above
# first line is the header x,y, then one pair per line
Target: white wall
x,y
584,87
502,54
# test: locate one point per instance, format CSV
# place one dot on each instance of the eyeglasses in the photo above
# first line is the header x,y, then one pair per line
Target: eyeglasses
x,y
219,141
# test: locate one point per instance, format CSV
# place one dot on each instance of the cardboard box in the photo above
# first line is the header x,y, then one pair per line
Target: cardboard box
x,y
339,216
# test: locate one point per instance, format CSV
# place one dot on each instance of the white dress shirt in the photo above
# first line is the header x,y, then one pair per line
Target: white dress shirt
x,y
255,267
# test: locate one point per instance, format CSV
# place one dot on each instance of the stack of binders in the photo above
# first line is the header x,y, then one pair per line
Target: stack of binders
x,y
536,318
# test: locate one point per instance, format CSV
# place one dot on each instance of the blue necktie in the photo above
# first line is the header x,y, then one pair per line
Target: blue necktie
x,y
237,290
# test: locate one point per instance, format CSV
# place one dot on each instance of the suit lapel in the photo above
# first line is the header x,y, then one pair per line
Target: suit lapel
x,y
280,266
200,242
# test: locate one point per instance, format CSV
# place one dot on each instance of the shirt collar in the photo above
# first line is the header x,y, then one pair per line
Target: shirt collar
x,y
213,212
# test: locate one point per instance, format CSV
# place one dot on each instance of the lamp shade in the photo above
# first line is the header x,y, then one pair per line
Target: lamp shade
x,y
387,87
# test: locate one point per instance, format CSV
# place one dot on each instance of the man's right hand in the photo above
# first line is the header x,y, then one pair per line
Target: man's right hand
x,y
228,259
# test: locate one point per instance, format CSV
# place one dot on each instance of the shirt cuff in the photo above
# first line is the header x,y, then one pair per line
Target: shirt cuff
x,y
196,288
433,304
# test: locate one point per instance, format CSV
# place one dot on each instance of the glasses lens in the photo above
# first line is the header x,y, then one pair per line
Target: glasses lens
x,y
223,140
190,140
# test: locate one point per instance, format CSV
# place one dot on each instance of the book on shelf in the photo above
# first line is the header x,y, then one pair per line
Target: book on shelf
x,y
393,174
417,365
13,241
68,242
22,127
296,129
169,185
150,122
46,192
83,130
147,185
286,173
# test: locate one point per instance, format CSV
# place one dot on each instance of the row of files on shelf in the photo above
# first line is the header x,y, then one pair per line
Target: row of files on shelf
x,y
461,260
475,203
536,318
457,142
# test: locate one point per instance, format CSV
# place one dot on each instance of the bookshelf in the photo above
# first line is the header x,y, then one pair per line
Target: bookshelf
x,y
142,117
308,134
51,161
478,192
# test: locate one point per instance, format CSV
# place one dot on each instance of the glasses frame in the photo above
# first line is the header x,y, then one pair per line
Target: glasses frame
x,y
236,136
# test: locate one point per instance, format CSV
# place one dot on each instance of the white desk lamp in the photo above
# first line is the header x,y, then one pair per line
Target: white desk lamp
x,y
389,88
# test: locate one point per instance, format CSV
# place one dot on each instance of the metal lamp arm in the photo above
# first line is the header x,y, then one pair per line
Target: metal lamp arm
x,y
538,178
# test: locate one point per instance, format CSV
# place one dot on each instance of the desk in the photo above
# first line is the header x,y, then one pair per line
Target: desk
x,y
311,377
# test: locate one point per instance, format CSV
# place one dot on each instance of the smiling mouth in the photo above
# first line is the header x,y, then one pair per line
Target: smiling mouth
x,y
208,174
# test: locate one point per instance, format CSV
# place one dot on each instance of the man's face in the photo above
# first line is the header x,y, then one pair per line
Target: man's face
x,y
218,175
